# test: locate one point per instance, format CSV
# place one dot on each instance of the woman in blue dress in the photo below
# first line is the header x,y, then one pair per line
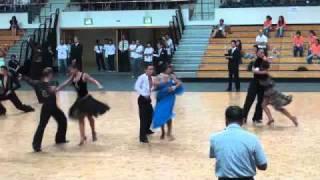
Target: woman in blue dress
x,y
167,86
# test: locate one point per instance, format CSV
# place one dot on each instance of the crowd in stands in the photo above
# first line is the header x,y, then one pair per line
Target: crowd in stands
x,y
222,30
264,3
18,5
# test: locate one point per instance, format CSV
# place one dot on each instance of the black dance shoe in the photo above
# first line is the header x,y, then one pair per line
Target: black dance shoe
x,y
150,132
37,150
145,141
62,142
28,109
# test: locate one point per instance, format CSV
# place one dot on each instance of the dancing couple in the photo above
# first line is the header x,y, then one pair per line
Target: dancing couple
x,y
84,106
262,86
167,86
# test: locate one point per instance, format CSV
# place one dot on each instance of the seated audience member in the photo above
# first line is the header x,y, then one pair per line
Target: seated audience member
x,y
298,42
262,41
219,30
312,38
281,26
253,54
267,26
314,52
237,152
14,26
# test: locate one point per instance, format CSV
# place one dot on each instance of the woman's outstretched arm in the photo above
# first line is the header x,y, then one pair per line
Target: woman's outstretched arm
x,y
64,84
90,79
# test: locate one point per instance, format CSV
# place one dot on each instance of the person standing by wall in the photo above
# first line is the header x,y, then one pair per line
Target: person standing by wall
x,y
62,55
237,152
138,59
123,47
111,50
132,54
98,49
148,54
76,53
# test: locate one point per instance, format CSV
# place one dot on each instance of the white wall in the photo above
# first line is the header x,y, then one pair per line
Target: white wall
x,y
115,19
21,17
253,16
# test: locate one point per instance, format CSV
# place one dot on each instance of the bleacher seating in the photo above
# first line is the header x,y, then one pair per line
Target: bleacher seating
x,y
7,40
214,65
267,3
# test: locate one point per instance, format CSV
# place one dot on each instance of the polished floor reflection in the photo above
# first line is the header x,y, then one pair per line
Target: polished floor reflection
x,y
292,152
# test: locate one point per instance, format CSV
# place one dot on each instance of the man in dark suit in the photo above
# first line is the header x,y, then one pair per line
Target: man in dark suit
x,y
76,53
8,85
161,58
234,58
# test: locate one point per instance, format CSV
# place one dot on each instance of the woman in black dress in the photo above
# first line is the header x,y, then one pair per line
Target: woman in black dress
x,y
85,105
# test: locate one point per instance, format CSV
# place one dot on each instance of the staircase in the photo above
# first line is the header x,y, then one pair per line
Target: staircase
x,y
192,47
15,49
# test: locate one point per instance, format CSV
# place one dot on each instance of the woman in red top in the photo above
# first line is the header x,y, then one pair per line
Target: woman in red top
x,y
267,25
281,26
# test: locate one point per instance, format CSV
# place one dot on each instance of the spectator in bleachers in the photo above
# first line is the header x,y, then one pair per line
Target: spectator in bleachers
x,y
253,54
298,42
14,26
267,25
281,26
219,30
312,38
314,52
262,41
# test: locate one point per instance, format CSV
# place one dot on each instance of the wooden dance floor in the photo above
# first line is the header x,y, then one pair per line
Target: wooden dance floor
x,y
292,152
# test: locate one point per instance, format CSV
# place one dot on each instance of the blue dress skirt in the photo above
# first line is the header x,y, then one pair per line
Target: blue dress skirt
x,y
165,103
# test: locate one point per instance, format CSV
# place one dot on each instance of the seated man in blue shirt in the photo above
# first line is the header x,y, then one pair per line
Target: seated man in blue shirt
x,y
237,152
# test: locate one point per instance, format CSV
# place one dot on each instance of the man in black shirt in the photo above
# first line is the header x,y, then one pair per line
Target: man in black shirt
x,y
8,85
13,65
76,53
46,88
255,90
234,58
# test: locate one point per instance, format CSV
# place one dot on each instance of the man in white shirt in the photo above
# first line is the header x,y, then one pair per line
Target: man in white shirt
x,y
62,55
98,49
148,54
105,47
132,53
170,45
262,41
143,87
124,55
137,59
111,51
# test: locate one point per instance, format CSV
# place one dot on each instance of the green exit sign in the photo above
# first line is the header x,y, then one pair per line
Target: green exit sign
x,y
88,21
147,20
